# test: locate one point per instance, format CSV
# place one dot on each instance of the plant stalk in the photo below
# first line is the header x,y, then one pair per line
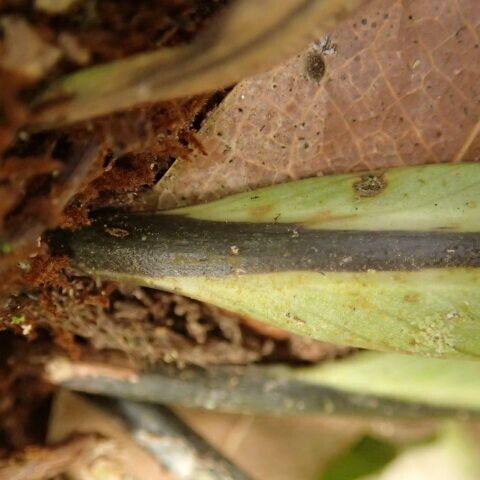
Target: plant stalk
x,y
365,384
385,261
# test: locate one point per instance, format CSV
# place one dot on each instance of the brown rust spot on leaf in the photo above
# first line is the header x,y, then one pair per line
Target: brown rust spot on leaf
x,y
412,297
326,216
295,319
260,210
370,185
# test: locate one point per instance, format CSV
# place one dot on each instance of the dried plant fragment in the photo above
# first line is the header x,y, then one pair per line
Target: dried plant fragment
x,y
24,51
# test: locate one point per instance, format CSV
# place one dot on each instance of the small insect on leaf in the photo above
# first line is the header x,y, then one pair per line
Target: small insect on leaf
x,y
314,66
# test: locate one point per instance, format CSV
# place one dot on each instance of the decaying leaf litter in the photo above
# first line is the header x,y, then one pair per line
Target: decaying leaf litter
x,y
396,81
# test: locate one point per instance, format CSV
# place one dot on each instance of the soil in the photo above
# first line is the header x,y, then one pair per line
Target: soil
x,y
59,177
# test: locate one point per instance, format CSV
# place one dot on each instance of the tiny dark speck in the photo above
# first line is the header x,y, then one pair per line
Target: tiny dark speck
x,y
314,66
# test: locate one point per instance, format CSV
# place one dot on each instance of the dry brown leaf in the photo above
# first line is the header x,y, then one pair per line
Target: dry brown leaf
x,y
400,87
